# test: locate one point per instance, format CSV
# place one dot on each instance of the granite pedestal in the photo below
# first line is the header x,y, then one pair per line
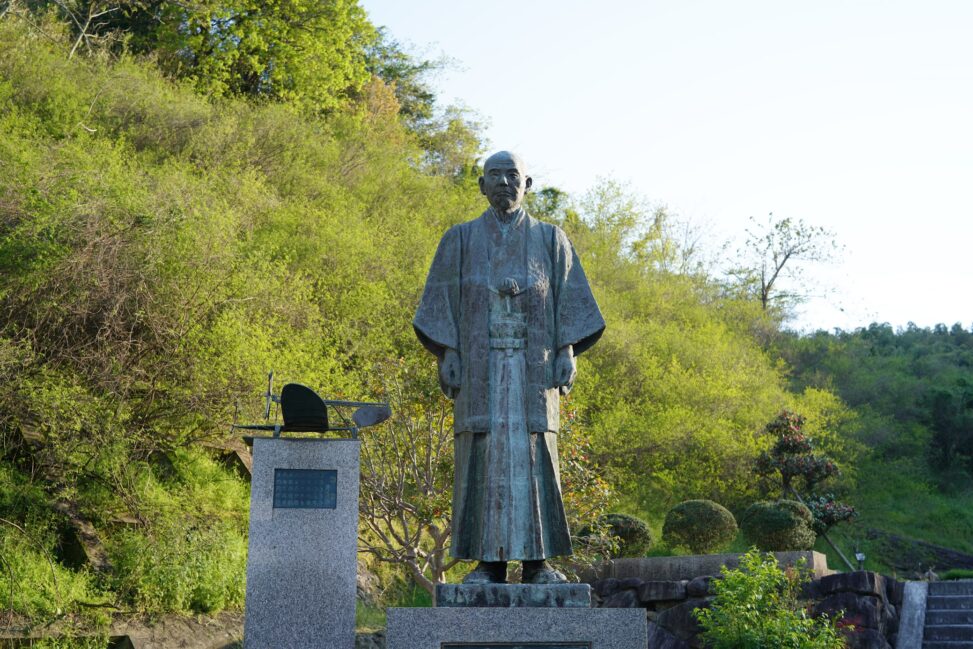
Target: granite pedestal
x,y
515,616
302,559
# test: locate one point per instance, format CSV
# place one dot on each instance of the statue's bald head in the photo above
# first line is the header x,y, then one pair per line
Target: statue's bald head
x,y
505,158
505,181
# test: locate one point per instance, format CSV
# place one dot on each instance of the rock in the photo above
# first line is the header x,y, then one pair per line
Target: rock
x,y
894,590
606,587
622,599
812,590
699,587
374,640
679,619
658,591
862,582
659,638
368,588
630,582
863,611
866,639
890,619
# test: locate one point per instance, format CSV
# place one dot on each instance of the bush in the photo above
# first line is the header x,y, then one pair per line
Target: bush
x,y
778,526
757,605
703,526
634,535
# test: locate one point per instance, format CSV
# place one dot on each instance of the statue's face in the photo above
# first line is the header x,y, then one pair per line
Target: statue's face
x,y
504,181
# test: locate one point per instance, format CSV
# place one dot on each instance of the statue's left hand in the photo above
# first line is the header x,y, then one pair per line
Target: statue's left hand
x,y
565,369
449,373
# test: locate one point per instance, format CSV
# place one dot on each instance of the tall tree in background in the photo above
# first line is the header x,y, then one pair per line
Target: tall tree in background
x,y
775,250
311,53
951,421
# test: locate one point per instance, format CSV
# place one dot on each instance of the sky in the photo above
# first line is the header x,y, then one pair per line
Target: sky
x,y
852,115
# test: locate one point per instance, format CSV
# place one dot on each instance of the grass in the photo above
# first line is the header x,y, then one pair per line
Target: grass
x,y
369,618
956,573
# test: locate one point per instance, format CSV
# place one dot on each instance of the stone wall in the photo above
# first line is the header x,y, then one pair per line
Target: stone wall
x,y
870,603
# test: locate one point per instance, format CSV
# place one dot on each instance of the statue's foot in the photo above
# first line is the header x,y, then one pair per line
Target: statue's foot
x,y
541,572
488,572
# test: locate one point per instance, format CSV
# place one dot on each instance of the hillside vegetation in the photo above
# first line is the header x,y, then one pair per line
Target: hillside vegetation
x,y
911,392
167,237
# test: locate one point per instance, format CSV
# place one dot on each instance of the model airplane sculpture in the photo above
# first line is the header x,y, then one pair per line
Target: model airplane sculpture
x,y
304,411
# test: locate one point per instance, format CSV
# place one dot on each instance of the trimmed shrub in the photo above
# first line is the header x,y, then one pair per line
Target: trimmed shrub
x,y
634,535
778,526
703,526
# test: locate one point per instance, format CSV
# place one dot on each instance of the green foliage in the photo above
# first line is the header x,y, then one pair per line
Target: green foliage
x,y
310,54
828,512
757,607
634,536
703,526
189,553
791,455
161,248
33,584
388,60
913,479
676,386
956,573
778,526
910,387
587,494
792,459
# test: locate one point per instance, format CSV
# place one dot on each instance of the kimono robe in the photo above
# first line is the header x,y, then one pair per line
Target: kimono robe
x,y
507,495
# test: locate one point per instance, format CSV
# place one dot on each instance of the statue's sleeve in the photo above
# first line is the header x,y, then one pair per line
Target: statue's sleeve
x,y
436,318
579,320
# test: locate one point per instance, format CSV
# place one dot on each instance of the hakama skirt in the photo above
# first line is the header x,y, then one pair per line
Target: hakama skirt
x,y
507,496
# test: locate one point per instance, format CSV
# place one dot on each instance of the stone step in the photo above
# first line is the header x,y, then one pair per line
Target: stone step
x,y
954,633
945,644
958,587
949,617
949,603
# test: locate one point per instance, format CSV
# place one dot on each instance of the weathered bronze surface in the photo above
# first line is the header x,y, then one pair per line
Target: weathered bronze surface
x,y
506,309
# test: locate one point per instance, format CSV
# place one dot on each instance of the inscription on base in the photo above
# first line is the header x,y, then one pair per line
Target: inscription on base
x,y
545,645
305,489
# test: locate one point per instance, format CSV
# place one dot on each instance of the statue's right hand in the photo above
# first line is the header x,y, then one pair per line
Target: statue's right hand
x,y
449,373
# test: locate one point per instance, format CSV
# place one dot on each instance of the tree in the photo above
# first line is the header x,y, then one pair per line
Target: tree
x,y
792,458
951,420
774,251
311,53
407,476
387,59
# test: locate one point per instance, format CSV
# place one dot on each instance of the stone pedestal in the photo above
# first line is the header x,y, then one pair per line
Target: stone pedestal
x,y
515,616
302,559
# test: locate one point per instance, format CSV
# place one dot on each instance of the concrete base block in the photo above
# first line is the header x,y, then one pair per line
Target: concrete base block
x,y
514,595
539,628
913,615
303,544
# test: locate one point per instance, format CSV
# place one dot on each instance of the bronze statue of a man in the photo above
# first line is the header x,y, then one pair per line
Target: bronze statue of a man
x,y
506,308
